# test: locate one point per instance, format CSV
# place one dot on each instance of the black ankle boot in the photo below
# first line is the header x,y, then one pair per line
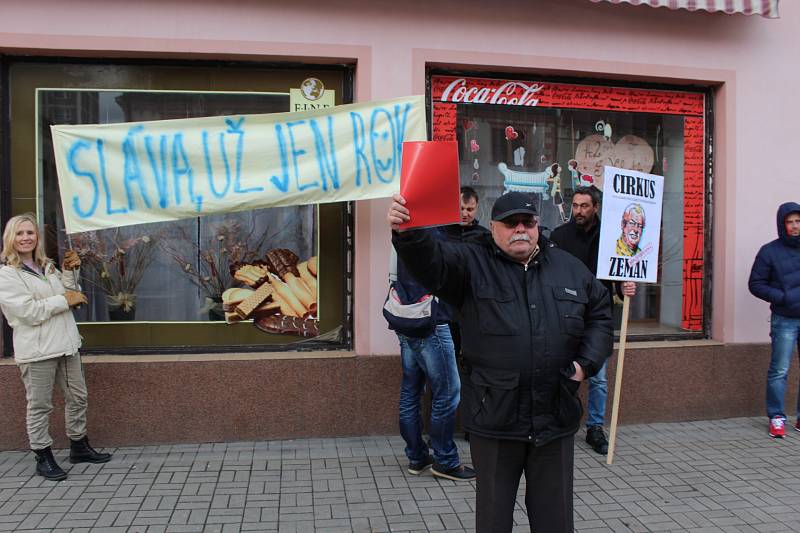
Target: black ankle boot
x,y
46,465
596,438
80,451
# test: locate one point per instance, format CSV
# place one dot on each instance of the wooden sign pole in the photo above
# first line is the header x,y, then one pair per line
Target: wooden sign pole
x,y
623,333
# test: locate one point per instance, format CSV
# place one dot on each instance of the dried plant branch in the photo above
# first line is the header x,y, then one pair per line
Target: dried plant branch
x,y
208,266
115,266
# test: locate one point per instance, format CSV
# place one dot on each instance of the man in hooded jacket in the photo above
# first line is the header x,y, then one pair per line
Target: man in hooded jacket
x,y
775,278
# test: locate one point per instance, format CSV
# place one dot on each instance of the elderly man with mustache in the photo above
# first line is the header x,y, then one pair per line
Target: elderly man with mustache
x,y
535,323
632,229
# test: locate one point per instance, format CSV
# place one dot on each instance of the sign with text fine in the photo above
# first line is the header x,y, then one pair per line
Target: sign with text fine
x,y
630,228
116,175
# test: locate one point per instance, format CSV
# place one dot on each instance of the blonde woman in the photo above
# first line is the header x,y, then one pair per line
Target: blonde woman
x,y
37,306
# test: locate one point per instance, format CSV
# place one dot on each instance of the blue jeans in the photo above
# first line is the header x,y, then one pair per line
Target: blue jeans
x,y
785,333
598,392
433,358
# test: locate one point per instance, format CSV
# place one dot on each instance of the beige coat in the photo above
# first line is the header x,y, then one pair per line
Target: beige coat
x,y
37,311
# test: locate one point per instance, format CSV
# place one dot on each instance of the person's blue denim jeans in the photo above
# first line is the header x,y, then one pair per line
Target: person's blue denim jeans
x,y
785,333
433,358
598,392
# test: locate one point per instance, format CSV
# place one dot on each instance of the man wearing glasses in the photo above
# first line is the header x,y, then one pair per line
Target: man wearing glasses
x,y
535,323
632,228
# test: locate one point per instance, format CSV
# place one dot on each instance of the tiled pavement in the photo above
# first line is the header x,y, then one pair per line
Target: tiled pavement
x,y
720,476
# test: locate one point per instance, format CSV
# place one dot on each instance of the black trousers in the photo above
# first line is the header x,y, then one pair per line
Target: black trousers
x,y
548,475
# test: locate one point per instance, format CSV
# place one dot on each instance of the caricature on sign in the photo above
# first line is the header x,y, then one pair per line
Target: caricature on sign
x,y
630,226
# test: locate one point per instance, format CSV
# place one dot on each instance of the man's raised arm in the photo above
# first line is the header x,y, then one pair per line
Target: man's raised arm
x,y
437,265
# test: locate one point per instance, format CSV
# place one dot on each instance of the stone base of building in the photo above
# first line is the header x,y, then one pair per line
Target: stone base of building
x,y
255,397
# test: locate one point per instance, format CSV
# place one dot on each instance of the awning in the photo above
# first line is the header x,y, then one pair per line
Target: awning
x,y
765,8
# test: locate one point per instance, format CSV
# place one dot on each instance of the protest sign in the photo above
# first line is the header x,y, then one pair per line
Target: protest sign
x,y
630,232
631,225
131,173
430,183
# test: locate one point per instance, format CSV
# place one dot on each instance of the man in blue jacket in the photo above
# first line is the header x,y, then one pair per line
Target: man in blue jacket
x,y
775,278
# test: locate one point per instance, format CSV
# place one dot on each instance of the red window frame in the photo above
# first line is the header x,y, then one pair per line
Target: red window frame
x,y
447,92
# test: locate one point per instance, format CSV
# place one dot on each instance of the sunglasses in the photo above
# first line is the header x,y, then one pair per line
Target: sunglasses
x,y
527,221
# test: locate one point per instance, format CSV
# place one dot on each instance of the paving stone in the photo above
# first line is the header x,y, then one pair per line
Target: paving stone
x,y
705,476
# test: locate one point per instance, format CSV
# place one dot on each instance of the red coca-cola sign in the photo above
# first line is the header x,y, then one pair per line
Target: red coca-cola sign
x,y
564,95
485,91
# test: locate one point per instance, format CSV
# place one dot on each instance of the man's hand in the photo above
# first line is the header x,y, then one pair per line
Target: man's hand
x,y
75,298
579,374
71,260
629,288
398,214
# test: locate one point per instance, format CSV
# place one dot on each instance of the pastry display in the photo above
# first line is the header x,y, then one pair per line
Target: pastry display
x,y
280,294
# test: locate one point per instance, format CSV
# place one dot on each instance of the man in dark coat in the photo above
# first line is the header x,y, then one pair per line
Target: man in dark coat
x,y
581,237
535,323
775,278
469,230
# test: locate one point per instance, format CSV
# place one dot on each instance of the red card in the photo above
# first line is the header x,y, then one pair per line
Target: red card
x,y
430,184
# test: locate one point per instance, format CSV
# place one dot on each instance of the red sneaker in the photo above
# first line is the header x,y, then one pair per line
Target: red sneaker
x,y
797,425
776,430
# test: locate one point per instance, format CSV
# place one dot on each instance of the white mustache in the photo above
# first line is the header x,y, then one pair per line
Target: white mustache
x,y
519,237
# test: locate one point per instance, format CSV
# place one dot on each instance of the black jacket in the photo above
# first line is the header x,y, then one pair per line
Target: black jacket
x,y
775,276
521,329
471,233
584,245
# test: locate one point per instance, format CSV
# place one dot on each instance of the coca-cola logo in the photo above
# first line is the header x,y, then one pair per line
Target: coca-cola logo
x,y
509,93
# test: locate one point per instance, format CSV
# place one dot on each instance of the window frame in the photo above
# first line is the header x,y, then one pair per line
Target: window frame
x,y
708,166
342,212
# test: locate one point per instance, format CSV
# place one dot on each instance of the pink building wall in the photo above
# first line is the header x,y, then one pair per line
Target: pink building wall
x,y
751,61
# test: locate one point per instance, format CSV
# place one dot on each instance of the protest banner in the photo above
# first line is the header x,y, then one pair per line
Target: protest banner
x,y
630,233
115,175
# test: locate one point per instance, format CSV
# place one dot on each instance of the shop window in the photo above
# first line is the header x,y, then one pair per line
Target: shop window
x,y
546,139
158,286
126,270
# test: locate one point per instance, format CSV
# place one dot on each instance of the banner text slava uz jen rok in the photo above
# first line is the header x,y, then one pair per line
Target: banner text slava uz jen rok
x,y
121,174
